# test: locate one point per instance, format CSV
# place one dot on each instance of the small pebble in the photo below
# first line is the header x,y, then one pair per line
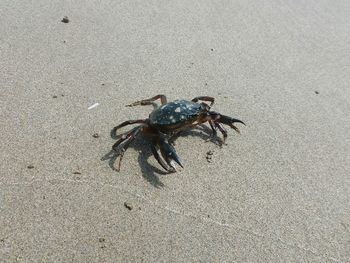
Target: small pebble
x,y
30,166
128,205
77,172
65,19
96,135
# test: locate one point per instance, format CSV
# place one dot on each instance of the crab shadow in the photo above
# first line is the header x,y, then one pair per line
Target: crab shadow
x,y
150,172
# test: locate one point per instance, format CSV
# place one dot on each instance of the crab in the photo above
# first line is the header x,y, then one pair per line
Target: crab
x,y
168,120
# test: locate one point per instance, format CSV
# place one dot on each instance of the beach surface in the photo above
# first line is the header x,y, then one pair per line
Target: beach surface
x,y
277,192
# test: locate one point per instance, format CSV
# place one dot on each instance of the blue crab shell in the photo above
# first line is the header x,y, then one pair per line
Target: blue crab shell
x,y
175,112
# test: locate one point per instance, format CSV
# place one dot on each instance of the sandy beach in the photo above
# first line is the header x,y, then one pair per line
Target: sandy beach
x,y
277,192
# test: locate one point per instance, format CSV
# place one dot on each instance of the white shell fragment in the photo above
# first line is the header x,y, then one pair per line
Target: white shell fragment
x,y
93,105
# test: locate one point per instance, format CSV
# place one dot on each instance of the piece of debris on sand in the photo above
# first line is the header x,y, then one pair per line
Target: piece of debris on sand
x,y
209,156
65,19
128,205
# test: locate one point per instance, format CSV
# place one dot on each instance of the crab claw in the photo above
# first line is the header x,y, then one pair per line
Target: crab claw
x,y
176,158
159,160
233,120
235,128
169,154
230,121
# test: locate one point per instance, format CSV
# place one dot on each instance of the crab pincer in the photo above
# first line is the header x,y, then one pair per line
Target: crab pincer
x,y
169,154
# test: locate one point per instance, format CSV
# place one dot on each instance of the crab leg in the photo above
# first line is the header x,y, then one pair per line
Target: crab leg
x,y
162,98
131,137
124,137
125,123
213,127
205,98
222,130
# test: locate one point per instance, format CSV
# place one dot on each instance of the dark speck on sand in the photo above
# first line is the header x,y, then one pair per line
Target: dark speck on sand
x,y
128,205
65,19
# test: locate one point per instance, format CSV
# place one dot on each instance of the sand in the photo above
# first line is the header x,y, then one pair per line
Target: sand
x,y
278,192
